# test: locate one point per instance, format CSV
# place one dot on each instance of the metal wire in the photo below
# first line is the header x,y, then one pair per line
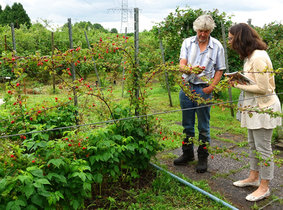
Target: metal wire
x,y
133,117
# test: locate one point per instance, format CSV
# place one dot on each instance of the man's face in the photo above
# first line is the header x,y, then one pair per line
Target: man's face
x,y
203,35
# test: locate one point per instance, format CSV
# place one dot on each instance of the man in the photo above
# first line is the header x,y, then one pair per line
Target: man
x,y
200,50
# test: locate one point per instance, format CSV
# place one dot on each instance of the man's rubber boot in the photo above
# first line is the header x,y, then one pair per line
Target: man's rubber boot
x,y
188,155
202,159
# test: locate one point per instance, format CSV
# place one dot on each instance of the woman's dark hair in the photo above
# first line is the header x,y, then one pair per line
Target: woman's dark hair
x,y
245,40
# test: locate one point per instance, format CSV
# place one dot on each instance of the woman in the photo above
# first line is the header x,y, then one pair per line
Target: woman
x,y
247,43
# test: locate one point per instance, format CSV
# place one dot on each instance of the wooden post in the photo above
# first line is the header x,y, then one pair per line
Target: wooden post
x,y
13,36
5,38
52,47
165,73
136,28
227,66
73,66
94,64
124,68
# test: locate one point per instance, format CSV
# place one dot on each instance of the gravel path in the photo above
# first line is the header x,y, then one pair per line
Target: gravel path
x,y
223,171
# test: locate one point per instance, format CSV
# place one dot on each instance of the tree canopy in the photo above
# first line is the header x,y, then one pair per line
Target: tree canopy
x,y
15,14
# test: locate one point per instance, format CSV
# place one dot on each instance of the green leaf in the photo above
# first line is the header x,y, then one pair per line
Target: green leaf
x,y
81,175
59,178
87,186
56,162
92,159
24,179
31,207
42,181
59,195
98,178
75,204
44,193
3,183
28,190
37,199
14,205
37,172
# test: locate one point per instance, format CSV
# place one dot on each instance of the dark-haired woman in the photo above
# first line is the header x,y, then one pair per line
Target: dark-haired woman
x,y
257,66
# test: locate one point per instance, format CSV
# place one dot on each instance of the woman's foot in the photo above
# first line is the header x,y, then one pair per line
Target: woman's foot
x,y
259,194
247,182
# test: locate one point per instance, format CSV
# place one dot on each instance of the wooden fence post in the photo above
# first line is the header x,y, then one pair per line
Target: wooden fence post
x,y
52,55
165,74
73,67
136,27
94,64
123,83
227,66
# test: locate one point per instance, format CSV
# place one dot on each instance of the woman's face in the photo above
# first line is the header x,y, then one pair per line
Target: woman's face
x,y
230,38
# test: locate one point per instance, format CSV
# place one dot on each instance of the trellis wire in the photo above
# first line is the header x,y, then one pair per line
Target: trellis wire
x,y
134,117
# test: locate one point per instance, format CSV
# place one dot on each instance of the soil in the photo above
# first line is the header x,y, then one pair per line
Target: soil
x,y
223,171
120,190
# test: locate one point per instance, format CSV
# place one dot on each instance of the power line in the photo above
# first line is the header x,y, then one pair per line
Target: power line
x,y
126,16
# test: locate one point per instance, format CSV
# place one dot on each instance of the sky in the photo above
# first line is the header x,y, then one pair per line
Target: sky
x,y
108,12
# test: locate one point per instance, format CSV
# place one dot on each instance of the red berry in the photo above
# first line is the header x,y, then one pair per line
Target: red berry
x,y
12,156
69,145
18,84
33,161
84,147
13,121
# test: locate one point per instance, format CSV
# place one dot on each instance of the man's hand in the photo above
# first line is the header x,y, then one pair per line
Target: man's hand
x,y
192,70
208,90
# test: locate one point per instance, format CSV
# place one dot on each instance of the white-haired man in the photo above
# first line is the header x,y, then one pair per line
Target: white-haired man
x,y
200,50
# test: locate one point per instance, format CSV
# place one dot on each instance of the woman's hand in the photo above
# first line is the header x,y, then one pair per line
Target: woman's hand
x,y
232,83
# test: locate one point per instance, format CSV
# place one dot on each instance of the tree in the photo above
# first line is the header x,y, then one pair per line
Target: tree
x,y
114,30
15,14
